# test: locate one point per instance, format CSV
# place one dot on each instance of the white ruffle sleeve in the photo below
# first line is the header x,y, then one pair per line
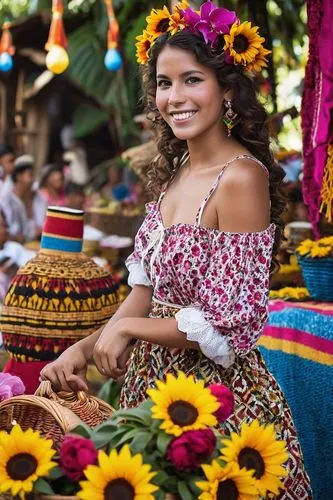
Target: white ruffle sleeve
x,y
137,274
231,306
191,320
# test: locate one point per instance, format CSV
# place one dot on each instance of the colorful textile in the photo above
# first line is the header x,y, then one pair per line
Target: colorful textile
x,y
297,346
317,104
256,392
58,297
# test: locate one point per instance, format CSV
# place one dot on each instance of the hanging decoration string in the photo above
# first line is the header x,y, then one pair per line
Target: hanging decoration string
x,y
112,60
7,50
57,59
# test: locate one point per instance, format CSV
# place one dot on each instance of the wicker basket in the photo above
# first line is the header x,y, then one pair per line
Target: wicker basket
x,y
318,276
89,409
48,417
121,225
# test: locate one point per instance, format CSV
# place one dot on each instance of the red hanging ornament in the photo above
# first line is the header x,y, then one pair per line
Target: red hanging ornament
x,y
57,35
6,40
113,31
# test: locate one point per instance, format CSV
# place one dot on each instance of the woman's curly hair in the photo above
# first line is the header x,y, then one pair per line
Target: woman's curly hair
x,y
251,129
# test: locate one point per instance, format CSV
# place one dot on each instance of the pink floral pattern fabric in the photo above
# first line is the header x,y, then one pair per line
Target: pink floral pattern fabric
x,y
224,275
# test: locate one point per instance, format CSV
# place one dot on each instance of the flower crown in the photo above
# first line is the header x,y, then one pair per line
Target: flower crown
x,y
242,43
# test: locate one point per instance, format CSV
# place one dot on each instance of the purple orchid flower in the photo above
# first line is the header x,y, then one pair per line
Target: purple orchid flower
x,y
10,386
211,22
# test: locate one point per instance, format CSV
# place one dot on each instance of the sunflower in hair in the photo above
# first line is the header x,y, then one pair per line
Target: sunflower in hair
x,y
158,22
257,449
143,46
243,42
259,61
24,457
177,21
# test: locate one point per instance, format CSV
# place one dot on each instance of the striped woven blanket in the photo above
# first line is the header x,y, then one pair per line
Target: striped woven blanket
x,y
298,348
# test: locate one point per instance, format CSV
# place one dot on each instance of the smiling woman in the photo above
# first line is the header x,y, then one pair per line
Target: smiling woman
x,y
202,257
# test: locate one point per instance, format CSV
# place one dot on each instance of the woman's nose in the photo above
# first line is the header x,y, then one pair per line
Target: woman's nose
x,y
176,96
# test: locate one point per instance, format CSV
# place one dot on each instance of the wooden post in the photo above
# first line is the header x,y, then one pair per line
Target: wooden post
x,y
3,112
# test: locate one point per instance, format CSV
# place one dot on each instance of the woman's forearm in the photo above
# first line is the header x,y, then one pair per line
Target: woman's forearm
x,y
137,304
157,331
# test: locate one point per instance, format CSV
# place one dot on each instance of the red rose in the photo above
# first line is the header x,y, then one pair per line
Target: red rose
x,y
191,449
226,399
76,453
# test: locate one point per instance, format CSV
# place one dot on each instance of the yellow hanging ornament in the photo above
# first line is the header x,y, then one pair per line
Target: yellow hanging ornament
x,y
57,59
326,206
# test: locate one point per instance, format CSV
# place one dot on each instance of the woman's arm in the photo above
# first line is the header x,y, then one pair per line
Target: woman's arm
x,y
68,372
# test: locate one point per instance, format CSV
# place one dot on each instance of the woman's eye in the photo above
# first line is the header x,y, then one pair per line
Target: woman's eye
x,y
193,79
163,83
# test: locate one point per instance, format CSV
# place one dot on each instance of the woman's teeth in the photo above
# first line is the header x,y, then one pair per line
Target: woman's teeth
x,y
183,116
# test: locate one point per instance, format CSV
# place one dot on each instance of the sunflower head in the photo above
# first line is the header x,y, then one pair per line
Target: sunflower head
x,y
24,457
259,62
243,42
227,483
143,46
183,404
256,449
118,475
158,22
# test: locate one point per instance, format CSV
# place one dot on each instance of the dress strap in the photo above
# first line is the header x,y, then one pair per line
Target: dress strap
x,y
217,180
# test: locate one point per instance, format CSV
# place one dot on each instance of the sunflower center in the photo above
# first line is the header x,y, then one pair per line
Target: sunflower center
x,y
227,489
163,25
21,466
251,459
182,413
147,44
240,44
119,489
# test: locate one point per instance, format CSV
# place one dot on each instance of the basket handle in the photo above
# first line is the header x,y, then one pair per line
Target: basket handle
x,y
45,391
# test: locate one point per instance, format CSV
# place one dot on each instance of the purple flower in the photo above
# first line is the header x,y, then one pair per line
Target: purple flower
x,y
10,386
211,22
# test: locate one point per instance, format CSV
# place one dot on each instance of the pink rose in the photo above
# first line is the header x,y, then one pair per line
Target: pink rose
x,y
10,386
226,399
191,449
76,453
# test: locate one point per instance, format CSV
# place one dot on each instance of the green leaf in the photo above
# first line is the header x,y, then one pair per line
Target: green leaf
x,y
127,438
161,478
163,441
110,392
82,430
139,414
41,486
102,437
55,473
141,441
159,495
184,492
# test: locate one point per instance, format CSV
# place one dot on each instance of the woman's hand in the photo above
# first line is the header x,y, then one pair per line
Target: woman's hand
x,y
68,372
112,349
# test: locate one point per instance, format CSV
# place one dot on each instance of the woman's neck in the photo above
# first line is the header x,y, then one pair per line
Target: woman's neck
x,y
210,148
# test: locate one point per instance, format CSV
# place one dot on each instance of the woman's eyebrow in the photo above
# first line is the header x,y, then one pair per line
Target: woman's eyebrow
x,y
186,73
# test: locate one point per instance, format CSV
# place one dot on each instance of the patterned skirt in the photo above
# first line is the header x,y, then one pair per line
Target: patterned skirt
x,y
257,394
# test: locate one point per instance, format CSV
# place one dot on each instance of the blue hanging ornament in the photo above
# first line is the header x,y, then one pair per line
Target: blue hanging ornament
x,y
113,60
6,62
7,50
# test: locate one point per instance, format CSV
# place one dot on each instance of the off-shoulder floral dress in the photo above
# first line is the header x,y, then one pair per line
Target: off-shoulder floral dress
x,y
215,284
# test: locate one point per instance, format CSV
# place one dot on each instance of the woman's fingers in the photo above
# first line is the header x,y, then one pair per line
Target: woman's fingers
x,y
49,373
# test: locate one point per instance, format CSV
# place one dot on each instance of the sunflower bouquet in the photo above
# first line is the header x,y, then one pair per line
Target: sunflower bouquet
x,y
316,249
168,447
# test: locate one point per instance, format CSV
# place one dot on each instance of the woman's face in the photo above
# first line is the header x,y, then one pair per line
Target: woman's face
x,y
188,95
56,180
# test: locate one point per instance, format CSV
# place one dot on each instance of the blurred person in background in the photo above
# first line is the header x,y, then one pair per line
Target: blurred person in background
x,y
75,196
7,159
24,207
114,180
52,185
